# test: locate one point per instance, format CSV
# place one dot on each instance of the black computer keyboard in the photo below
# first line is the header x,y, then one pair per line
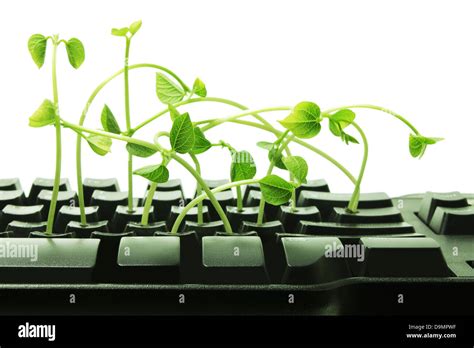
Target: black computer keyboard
x,y
407,255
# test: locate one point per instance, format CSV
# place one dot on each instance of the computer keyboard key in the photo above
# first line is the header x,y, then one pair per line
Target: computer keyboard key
x,y
108,201
401,257
8,234
318,185
453,221
290,218
233,259
146,230
313,260
432,200
40,184
15,197
191,215
205,229
353,230
11,184
68,198
271,211
154,260
90,185
85,231
236,217
170,185
122,217
163,201
225,199
273,252
48,260
248,189
12,212
67,214
21,229
367,216
39,234
326,201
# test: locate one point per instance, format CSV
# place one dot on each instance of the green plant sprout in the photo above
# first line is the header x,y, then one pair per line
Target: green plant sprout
x,y
48,112
187,137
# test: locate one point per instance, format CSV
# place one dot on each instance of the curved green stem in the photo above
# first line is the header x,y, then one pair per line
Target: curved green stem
x,y
197,100
148,201
302,143
379,108
203,196
80,187
57,126
200,218
208,192
354,202
282,146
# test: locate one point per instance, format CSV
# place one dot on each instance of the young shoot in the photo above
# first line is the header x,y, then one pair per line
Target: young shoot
x,y
48,112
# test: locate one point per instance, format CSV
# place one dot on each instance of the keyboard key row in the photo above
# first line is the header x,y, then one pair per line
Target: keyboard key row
x,y
225,259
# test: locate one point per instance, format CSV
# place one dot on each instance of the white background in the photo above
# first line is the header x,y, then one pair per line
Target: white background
x,y
415,57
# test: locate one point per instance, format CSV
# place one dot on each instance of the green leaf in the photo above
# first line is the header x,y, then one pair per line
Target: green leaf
x,y
135,26
156,173
277,160
182,134
167,91
44,115
297,166
120,32
275,190
242,167
418,144
265,145
304,120
140,150
37,47
75,52
173,112
99,144
109,123
201,144
344,117
199,88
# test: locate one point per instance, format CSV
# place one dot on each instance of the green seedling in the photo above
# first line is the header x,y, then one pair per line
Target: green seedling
x,y
48,112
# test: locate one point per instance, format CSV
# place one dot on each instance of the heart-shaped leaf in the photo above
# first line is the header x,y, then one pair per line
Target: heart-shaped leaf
x,y
155,173
167,91
140,150
182,134
135,26
119,31
297,166
275,190
304,120
201,144
44,115
242,167
37,47
75,52
99,144
199,88
109,122
418,144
